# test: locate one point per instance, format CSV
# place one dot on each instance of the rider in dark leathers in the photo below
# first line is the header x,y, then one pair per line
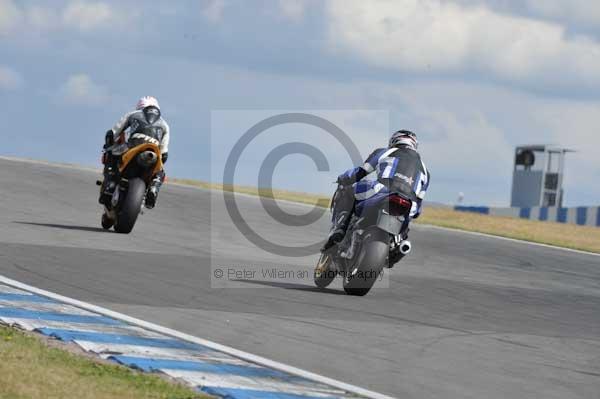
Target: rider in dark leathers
x,y
145,123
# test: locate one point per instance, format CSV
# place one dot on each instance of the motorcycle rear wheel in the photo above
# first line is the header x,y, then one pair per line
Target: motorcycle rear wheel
x,y
131,206
369,264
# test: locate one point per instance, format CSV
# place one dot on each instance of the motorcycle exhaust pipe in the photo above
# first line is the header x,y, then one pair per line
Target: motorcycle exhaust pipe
x,y
405,247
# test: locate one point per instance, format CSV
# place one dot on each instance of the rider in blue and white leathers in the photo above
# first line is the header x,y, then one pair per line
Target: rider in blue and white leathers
x,y
399,165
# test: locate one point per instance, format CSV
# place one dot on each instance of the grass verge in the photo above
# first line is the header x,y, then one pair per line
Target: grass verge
x,y
304,198
30,368
572,236
585,238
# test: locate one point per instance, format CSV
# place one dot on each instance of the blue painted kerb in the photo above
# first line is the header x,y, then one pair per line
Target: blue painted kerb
x,y
150,364
18,313
71,335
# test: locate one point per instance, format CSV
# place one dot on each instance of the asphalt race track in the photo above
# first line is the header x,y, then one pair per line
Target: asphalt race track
x,y
464,316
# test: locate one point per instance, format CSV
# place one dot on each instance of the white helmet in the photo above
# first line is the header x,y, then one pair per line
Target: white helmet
x,y
147,101
404,138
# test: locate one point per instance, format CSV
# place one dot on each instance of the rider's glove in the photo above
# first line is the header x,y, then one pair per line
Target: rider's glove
x,y
346,179
419,209
109,139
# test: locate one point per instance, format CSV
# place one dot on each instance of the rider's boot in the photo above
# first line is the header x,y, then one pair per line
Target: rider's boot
x,y
152,194
111,166
109,182
338,230
342,213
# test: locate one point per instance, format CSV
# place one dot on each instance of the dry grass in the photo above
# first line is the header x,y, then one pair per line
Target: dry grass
x,y
304,198
31,369
585,238
564,235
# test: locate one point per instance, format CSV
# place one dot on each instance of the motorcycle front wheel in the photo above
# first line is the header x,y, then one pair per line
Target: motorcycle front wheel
x,y
106,222
324,274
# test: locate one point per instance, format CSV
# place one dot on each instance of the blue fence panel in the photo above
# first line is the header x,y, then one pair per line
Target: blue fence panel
x,y
561,215
525,213
581,215
475,209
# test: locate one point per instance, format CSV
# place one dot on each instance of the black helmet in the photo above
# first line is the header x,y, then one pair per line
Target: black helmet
x,y
151,114
404,138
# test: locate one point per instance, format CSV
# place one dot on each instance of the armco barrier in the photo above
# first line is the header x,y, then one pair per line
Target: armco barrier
x,y
583,216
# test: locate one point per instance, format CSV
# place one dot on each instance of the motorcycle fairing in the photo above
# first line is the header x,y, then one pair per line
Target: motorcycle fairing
x,y
127,157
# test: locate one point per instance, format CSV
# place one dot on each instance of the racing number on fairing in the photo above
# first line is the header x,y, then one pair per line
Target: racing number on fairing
x,y
387,167
145,137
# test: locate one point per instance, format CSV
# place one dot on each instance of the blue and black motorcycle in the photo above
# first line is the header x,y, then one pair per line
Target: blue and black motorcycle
x,y
374,240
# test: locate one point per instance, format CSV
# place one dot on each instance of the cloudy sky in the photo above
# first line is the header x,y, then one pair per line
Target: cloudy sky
x,y
473,78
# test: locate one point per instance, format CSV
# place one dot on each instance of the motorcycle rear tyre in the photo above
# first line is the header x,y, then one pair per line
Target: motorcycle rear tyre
x,y
131,206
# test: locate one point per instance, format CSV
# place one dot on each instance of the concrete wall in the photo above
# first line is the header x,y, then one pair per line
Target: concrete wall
x,y
584,216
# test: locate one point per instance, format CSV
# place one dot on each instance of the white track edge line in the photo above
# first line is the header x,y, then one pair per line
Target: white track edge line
x,y
51,163
200,341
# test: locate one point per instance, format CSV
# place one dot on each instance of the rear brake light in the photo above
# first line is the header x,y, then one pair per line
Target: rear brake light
x,y
400,201
398,206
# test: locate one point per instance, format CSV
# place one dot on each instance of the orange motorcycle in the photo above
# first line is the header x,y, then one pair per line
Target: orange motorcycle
x,y
125,193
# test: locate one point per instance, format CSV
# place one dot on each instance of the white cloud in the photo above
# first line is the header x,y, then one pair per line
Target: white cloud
x,y
32,21
10,17
583,11
41,18
9,79
293,10
212,10
88,16
438,36
80,89
469,132
572,124
460,143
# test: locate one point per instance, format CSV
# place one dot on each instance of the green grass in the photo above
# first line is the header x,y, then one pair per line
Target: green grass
x,y
563,235
30,368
